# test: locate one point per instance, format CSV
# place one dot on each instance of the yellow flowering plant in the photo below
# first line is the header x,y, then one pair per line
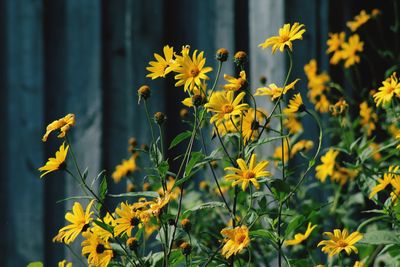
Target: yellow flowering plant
x,y
243,185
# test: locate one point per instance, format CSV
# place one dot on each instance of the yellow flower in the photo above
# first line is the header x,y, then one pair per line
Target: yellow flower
x,y
57,163
383,183
199,92
190,70
125,168
252,121
396,188
275,91
225,127
335,42
350,49
225,106
375,12
163,65
295,104
63,124
236,240
235,84
287,34
322,104
80,221
298,238
246,174
62,264
368,118
340,240
339,107
389,88
100,231
128,219
292,124
99,252
302,145
359,20
358,264
159,203
173,191
342,175
328,164
278,153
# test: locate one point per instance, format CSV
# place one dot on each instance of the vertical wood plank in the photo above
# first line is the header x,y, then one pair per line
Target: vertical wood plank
x,y
21,191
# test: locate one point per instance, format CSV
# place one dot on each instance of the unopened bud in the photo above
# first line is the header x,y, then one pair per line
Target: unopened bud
x,y
222,54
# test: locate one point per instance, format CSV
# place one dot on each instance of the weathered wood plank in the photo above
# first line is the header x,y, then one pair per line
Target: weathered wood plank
x,y
22,152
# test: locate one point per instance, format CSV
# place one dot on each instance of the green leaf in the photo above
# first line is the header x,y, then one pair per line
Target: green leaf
x,y
294,224
265,234
380,237
102,192
163,168
195,158
208,205
35,264
179,138
136,194
105,226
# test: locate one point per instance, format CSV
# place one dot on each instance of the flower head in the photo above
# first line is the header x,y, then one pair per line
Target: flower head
x,y
358,21
335,42
235,84
383,183
340,240
389,88
124,169
295,104
103,233
80,221
292,123
99,252
302,145
251,123
350,49
225,105
367,118
128,219
64,264
236,240
163,65
57,163
62,124
246,174
275,91
328,164
287,34
298,238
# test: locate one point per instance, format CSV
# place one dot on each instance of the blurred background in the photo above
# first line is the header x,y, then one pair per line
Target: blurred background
x,y
88,57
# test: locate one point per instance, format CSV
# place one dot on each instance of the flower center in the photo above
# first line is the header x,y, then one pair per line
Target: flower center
x,y
342,243
194,72
284,38
390,90
84,228
227,108
134,221
100,248
249,175
240,238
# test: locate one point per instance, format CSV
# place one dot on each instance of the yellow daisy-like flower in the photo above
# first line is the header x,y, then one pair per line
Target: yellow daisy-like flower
x,y
190,70
298,238
278,153
275,91
328,164
350,49
396,188
342,175
99,252
235,84
302,145
236,240
225,127
295,104
128,219
358,21
125,168
64,264
80,221
57,163
287,34
247,174
163,65
383,183
62,124
340,240
292,124
159,203
368,118
251,124
389,88
225,106
335,42
100,231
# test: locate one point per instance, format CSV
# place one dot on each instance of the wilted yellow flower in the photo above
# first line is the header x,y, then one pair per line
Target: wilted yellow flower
x,y
368,118
328,164
236,240
235,84
159,203
359,20
342,175
350,49
287,34
340,240
99,252
339,108
389,88
190,70
225,106
163,65
247,174
298,238
57,163
275,91
125,168
62,124
80,221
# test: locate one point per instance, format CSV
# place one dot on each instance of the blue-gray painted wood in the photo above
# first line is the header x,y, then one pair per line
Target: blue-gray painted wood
x,y
22,89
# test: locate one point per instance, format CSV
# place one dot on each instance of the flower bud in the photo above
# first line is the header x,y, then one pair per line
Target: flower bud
x,y
146,186
263,80
159,117
183,113
186,225
222,54
203,185
240,58
130,187
144,92
186,248
132,141
132,243
197,100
